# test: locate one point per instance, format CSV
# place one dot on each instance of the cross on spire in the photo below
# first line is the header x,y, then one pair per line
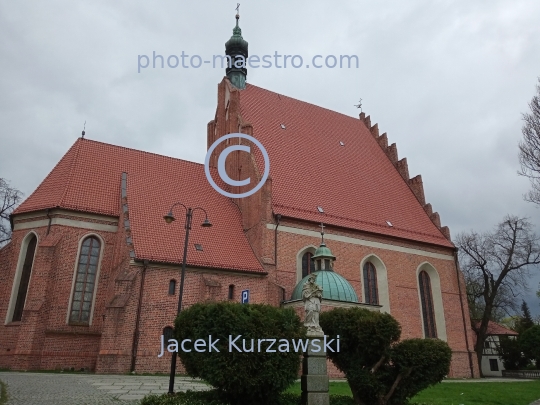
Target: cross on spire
x,y
322,232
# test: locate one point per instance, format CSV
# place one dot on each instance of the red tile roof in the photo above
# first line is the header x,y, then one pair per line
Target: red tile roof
x,y
88,178
356,184
496,329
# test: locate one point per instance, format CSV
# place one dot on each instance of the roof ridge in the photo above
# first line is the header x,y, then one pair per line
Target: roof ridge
x,y
301,101
414,184
141,151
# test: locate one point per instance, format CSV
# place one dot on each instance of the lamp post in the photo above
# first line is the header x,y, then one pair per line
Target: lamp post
x,y
206,224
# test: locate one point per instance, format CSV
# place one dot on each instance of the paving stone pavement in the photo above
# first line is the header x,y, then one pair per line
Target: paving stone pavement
x,y
87,389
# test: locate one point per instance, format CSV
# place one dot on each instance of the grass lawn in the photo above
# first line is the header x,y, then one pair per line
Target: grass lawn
x,y
466,393
485,393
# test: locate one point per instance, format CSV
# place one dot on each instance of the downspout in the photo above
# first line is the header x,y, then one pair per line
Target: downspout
x,y
136,333
278,218
463,314
50,220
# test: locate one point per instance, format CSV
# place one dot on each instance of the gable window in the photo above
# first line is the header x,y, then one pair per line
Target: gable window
x,y
85,281
426,298
371,294
308,264
25,279
172,287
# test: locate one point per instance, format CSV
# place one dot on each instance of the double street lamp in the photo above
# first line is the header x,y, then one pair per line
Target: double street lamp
x,y
169,218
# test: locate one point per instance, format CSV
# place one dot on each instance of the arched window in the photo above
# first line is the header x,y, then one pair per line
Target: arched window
x,y
172,287
308,264
428,315
231,291
168,333
85,281
371,293
25,279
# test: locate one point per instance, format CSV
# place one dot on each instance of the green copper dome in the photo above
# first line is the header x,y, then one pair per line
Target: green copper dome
x,y
236,40
334,286
323,252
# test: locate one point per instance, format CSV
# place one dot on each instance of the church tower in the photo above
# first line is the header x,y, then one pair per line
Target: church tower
x,y
237,49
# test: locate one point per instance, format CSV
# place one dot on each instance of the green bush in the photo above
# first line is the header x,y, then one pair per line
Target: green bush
x,y
373,361
421,363
511,354
241,377
530,344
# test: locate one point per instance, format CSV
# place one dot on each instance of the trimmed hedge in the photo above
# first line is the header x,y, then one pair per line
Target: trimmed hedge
x,y
381,371
241,378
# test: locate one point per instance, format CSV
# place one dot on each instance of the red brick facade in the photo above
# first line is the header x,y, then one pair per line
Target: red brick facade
x,y
132,304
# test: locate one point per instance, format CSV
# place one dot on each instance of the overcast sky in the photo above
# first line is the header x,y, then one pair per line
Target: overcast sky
x,y
447,80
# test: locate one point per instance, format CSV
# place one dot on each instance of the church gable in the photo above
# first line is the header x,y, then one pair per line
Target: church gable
x,y
321,158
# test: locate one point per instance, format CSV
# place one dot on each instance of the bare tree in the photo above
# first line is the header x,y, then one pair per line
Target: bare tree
x,y
9,199
497,264
529,148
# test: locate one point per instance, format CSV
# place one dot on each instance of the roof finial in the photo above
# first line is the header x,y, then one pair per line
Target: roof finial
x,y
322,233
359,105
84,127
237,13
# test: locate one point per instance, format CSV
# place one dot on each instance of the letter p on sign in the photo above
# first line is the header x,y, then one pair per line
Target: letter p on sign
x,y
245,296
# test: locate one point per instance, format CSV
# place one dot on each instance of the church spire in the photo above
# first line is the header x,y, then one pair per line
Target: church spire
x,y
237,49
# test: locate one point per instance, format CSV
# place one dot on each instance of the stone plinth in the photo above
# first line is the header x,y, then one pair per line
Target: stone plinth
x,y
314,379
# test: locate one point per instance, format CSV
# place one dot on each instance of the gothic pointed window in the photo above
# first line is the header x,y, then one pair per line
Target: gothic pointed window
x,y
371,293
83,293
308,264
426,297
25,279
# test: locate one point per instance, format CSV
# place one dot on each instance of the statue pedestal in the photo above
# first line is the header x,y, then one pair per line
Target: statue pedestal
x,y
314,379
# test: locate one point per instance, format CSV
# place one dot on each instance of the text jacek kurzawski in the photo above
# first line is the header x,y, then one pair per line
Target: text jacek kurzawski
x,y
236,344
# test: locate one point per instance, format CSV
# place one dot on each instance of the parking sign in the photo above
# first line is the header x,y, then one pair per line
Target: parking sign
x,y
245,296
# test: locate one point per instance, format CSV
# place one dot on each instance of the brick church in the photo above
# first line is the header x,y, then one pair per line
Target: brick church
x,y
90,279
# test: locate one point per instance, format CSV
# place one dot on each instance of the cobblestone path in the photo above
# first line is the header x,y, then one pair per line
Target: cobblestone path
x,y
87,389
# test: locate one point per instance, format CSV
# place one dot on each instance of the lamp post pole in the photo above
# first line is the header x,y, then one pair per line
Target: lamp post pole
x,y
169,218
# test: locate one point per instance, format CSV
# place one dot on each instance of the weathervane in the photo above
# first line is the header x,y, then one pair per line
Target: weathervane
x,y
359,105
84,127
237,9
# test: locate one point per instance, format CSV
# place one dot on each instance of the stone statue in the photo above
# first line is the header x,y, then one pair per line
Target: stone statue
x,y
312,295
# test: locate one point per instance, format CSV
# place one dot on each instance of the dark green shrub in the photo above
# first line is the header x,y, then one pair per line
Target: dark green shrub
x,y
373,362
184,398
511,354
530,344
419,364
241,378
